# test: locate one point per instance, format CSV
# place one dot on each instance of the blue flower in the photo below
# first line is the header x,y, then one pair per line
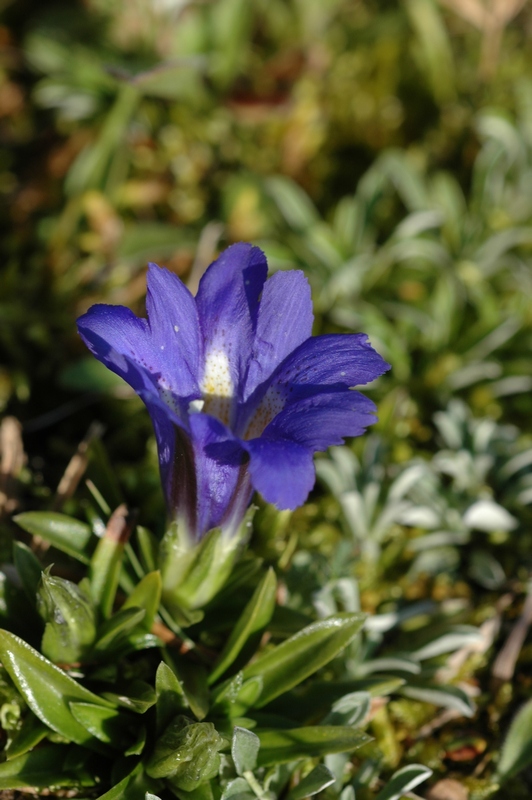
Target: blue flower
x,y
240,394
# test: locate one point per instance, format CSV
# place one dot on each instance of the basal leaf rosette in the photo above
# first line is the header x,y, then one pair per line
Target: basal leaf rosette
x,y
241,396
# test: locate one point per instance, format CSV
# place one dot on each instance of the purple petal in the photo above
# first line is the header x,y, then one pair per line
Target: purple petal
x,y
121,341
337,361
323,420
284,322
175,332
176,463
282,471
227,302
166,347
223,486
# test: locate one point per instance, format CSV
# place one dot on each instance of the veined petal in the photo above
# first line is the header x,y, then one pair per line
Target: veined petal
x,y
176,463
284,322
223,487
227,303
323,364
322,420
282,471
175,331
334,359
121,341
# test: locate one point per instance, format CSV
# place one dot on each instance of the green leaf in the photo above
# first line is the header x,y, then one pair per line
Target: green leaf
x,y
235,697
251,623
114,632
291,662
145,240
135,786
137,696
170,695
445,696
40,768
516,753
47,689
70,619
28,568
187,752
106,724
316,781
67,534
294,204
317,697
193,679
192,575
27,737
148,548
350,709
146,595
105,567
238,789
403,781
244,749
281,746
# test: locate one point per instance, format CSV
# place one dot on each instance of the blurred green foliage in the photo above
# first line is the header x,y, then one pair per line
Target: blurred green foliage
x,y
385,148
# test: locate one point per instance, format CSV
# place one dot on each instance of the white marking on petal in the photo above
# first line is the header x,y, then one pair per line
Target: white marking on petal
x,y
271,404
217,385
176,328
195,406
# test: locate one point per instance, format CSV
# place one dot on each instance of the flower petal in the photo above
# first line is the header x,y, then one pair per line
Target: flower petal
x,y
121,341
282,471
330,361
284,322
223,486
176,463
322,420
227,302
175,331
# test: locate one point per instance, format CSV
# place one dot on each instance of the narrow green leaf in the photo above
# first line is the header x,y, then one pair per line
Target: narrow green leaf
x,y
253,620
403,781
318,697
281,746
104,571
193,679
244,750
40,768
70,619
67,534
146,595
47,689
30,734
106,724
445,696
135,786
28,568
137,696
235,697
170,695
148,548
316,781
516,753
115,631
350,709
291,662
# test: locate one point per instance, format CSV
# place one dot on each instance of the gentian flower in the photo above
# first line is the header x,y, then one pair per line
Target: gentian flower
x,y
240,394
